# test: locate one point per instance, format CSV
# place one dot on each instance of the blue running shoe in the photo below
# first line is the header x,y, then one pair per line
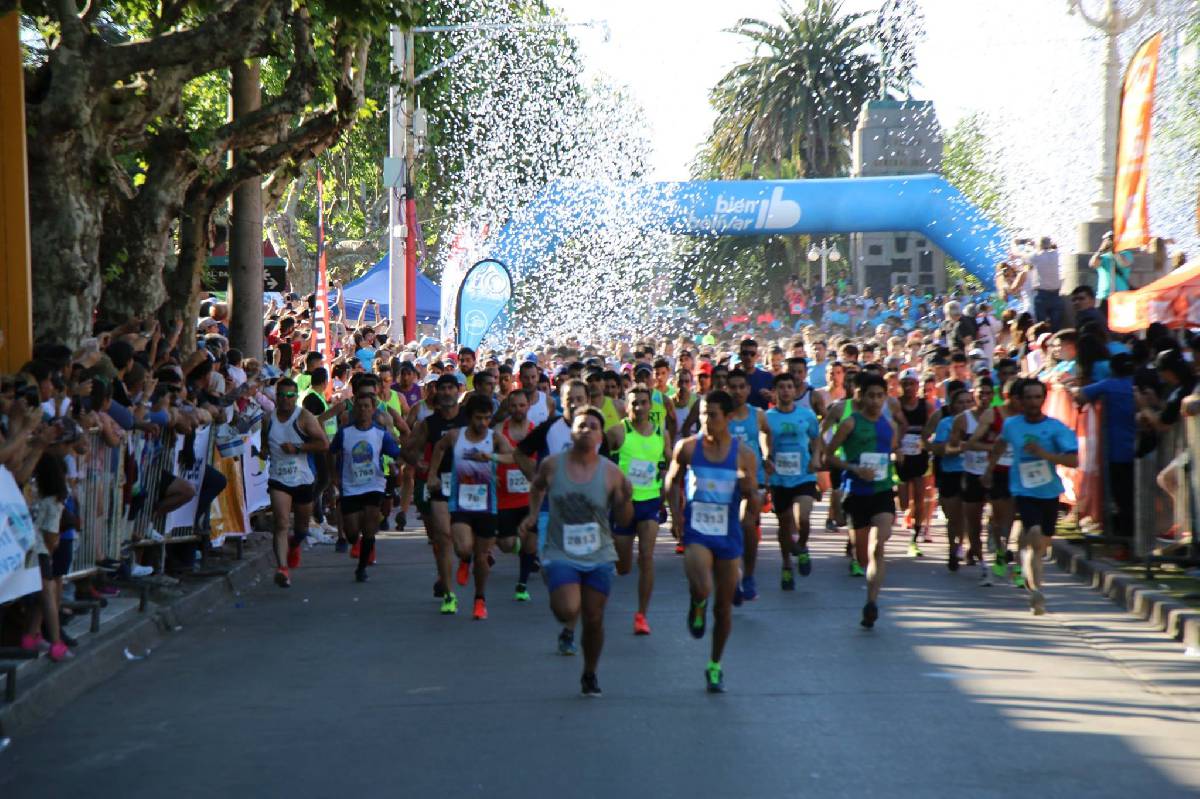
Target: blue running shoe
x,y
749,588
566,643
737,595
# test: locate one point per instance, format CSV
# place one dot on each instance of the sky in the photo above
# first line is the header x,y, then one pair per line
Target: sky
x,y
671,52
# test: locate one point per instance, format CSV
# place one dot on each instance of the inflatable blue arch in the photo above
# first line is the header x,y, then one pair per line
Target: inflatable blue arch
x,y
925,204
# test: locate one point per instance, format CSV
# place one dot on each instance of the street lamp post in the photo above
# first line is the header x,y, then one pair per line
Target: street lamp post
x,y
824,254
1112,22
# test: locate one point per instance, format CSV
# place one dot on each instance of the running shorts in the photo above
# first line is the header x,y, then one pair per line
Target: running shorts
x,y
911,467
508,521
1037,512
644,510
999,489
783,497
481,524
558,573
973,490
949,484
864,507
357,503
301,495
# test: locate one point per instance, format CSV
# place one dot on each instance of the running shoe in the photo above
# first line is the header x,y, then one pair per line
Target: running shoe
x,y
439,590
958,551
749,588
870,614
566,643
998,566
1037,603
449,604
737,595
803,562
640,625
341,545
282,579
952,563
856,570
401,521
908,519
830,525
914,551
714,679
360,575
1018,578
60,652
480,613
521,594
464,572
293,558
589,685
787,581
985,576
357,548
697,619
679,548
927,537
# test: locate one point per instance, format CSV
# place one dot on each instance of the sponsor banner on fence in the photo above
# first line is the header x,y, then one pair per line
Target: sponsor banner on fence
x,y
18,566
255,474
229,515
192,473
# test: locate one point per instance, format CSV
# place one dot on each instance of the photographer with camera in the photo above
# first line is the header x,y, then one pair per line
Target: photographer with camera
x,y
1112,271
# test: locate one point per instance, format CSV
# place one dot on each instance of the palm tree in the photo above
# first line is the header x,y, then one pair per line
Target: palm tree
x,y
790,109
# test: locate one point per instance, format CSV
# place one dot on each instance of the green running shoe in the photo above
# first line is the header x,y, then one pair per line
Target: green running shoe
x,y
714,679
697,619
999,567
522,593
856,570
1018,579
914,551
449,604
787,582
804,562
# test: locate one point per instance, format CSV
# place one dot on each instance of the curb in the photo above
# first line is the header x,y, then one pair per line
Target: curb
x,y
48,687
1180,621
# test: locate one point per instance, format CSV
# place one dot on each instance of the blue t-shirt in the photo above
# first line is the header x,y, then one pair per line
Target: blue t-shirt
x,y
1120,429
366,356
816,374
1030,476
792,434
950,463
758,380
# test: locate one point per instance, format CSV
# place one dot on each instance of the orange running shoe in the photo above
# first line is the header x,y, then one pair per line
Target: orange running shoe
x,y
356,550
679,548
293,558
464,572
480,609
640,625
282,579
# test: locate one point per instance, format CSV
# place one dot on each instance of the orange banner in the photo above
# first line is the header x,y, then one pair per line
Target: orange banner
x,y
1131,219
228,515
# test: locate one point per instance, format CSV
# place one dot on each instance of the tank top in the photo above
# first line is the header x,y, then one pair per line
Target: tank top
x,y
412,394
910,441
577,527
512,487
638,458
869,445
288,469
658,409
393,402
538,412
423,411
609,409
712,497
1005,460
974,462
330,424
558,437
681,413
746,431
472,482
361,452
436,426
949,463
805,400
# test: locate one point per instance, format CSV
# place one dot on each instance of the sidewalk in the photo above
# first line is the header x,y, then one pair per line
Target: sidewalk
x,y
125,635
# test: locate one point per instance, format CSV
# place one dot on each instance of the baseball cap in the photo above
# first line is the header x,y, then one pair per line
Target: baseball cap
x,y
910,374
976,353
704,367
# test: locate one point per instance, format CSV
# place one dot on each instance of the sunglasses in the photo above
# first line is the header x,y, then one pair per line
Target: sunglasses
x,y
289,394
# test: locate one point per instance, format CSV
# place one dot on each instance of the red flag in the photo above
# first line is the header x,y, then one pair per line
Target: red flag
x,y
1131,220
321,340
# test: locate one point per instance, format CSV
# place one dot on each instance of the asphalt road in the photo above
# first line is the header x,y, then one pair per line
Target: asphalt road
x,y
335,688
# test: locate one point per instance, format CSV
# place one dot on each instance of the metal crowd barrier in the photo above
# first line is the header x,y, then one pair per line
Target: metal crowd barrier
x,y
1155,511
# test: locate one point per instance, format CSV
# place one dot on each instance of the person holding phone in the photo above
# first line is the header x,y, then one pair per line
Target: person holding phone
x,y
1112,270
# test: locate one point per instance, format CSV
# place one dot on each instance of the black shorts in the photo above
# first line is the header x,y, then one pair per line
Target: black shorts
x,y
783,497
44,567
357,503
836,478
911,467
973,490
60,559
999,489
482,524
301,495
864,507
508,520
950,484
1037,512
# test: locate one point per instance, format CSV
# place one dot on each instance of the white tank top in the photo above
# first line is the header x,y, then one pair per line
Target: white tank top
x,y
287,469
362,472
558,437
805,399
538,411
424,411
473,484
973,462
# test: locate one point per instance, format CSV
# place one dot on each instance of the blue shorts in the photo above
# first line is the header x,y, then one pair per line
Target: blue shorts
x,y
644,510
558,573
723,547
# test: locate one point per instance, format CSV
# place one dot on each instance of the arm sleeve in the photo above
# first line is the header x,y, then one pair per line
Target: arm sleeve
x,y
390,447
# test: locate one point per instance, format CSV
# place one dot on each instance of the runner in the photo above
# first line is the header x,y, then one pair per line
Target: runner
x,y
582,491
869,440
974,495
912,461
598,399
748,424
950,474
512,494
358,472
711,481
1040,444
472,497
641,450
796,446
431,499
1000,525
291,435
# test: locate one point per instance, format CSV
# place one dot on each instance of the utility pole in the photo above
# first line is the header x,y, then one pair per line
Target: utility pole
x,y
396,181
246,229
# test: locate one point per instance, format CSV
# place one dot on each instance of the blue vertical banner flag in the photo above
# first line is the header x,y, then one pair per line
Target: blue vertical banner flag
x,y
485,292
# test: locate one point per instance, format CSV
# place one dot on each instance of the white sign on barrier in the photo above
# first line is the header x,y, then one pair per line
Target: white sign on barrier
x,y
185,517
255,474
19,573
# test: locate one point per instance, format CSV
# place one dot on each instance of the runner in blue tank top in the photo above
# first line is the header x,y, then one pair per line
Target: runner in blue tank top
x,y
748,424
710,483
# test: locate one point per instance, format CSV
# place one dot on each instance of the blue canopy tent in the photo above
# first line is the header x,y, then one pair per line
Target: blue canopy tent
x,y
374,286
